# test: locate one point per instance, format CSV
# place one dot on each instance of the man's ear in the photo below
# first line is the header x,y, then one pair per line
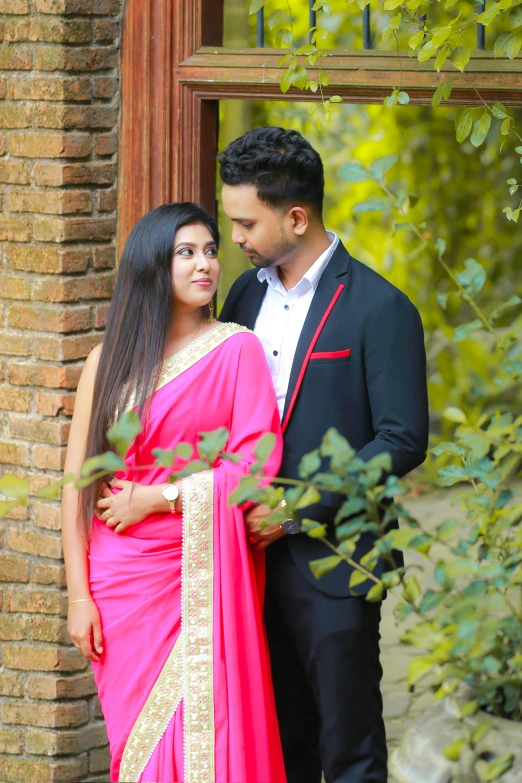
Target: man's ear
x,y
299,220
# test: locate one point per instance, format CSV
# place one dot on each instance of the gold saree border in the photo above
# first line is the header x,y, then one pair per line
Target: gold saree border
x,y
197,611
154,717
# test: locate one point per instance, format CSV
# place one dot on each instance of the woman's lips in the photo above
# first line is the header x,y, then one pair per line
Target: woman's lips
x,y
203,283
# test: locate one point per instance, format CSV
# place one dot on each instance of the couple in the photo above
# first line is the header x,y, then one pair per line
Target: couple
x,y
167,583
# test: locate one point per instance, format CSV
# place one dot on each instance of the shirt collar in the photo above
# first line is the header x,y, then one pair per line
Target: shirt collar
x,y
311,276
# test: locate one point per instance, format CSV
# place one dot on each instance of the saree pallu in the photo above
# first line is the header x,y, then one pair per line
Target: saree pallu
x,y
184,680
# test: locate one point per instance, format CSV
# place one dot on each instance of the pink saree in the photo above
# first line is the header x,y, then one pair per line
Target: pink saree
x,y
184,681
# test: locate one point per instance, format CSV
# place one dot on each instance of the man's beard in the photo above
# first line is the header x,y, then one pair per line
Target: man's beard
x,y
278,252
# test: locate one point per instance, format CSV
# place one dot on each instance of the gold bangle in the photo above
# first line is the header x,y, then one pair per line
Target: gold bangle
x,y
80,600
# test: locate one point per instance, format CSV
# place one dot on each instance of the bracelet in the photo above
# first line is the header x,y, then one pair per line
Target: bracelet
x,y
80,600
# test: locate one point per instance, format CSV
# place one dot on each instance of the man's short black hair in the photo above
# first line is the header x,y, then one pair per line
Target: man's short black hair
x,y
280,163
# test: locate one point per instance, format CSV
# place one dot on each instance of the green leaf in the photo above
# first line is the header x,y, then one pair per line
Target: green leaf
x,y
440,35
166,457
256,5
501,309
500,44
473,277
513,45
212,443
309,464
265,447
357,578
442,56
403,98
372,204
464,331
244,491
121,434
14,487
495,769
347,547
447,448
464,123
455,414
506,127
479,732
286,80
426,51
499,110
442,92
354,172
336,99
323,566
380,166
480,129
418,668
306,50
453,750
54,490
310,496
416,39
412,589
275,18
391,100
460,57
109,462
431,599
375,593
515,17
299,77
489,14
442,299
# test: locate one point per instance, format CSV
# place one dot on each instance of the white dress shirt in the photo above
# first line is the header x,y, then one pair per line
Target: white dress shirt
x,y
282,316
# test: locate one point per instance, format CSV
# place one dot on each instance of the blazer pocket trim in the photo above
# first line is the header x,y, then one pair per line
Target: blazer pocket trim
x,y
331,354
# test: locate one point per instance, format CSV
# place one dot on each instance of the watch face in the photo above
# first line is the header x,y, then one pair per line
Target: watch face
x,y
170,492
291,527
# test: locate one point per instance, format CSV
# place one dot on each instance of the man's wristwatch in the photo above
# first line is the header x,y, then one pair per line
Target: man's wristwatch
x,y
171,494
290,526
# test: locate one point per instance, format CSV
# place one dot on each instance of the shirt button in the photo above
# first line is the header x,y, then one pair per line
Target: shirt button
x,y
276,353
287,307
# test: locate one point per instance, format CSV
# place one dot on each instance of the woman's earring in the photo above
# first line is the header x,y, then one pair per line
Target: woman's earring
x,y
211,317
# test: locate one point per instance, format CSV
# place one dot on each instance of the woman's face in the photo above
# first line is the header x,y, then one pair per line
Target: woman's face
x,y
195,266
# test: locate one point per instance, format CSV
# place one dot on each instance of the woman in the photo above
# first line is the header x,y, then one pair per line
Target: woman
x,y
169,610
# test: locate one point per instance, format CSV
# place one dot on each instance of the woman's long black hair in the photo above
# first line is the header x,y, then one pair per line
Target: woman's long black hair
x,y
137,325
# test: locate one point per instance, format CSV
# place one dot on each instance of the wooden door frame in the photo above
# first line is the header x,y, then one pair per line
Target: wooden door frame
x,y
174,72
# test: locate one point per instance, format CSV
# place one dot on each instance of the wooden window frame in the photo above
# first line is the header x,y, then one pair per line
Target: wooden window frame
x,y
174,72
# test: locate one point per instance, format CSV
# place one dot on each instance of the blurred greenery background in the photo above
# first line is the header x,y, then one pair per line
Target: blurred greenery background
x,y
460,194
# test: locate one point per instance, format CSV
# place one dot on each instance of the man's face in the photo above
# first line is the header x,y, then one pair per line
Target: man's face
x,y
265,234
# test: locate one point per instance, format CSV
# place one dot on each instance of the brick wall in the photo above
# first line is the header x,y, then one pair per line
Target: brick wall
x,y
59,91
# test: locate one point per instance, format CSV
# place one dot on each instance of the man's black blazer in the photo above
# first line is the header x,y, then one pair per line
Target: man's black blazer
x,y
360,366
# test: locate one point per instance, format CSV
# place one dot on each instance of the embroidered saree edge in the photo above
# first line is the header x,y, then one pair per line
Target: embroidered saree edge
x,y
154,718
197,610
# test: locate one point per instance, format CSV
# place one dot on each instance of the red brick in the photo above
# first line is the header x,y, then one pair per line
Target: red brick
x,y
50,202
15,770
18,513
105,31
105,87
56,349
50,318
12,628
50,145
13,172
54,432
45,715
58,58
17,58
104,257
13,568
14,7
14,115
55,743
11,684
14,454
46,457
74,289
102,7
45,601
47,516
3,144
11,741
47,375
52,116
50,629
44,574
48,260
54,404
14,229
106,144
14,287
107,200
71,229
100,316
58,174
45,686
48,30
15,399
14,345
52,88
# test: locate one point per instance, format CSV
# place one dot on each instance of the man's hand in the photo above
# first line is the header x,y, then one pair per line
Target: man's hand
x,y
260,539
124,509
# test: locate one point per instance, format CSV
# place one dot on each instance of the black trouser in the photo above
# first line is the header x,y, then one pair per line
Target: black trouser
x,y
326,672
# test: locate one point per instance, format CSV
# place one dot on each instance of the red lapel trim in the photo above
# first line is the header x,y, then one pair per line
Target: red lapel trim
x,y
331,354
308,354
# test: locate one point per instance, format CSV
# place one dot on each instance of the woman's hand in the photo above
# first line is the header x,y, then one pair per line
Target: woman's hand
x,y
134,503
84,626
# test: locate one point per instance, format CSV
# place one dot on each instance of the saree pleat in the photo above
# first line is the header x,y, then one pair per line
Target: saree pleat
x,y
184,682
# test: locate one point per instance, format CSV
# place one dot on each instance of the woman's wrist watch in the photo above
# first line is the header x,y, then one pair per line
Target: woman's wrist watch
x,y
171,494
290,526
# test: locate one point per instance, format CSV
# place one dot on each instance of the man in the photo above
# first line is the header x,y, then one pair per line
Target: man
x,y
346,350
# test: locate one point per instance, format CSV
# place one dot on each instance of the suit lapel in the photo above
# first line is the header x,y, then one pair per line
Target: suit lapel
x,y
333,280
253,302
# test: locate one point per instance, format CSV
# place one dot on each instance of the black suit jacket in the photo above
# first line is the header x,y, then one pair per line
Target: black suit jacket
x,y
360,366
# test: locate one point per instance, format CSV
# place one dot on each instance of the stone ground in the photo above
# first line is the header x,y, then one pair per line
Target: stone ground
x,y
400,709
